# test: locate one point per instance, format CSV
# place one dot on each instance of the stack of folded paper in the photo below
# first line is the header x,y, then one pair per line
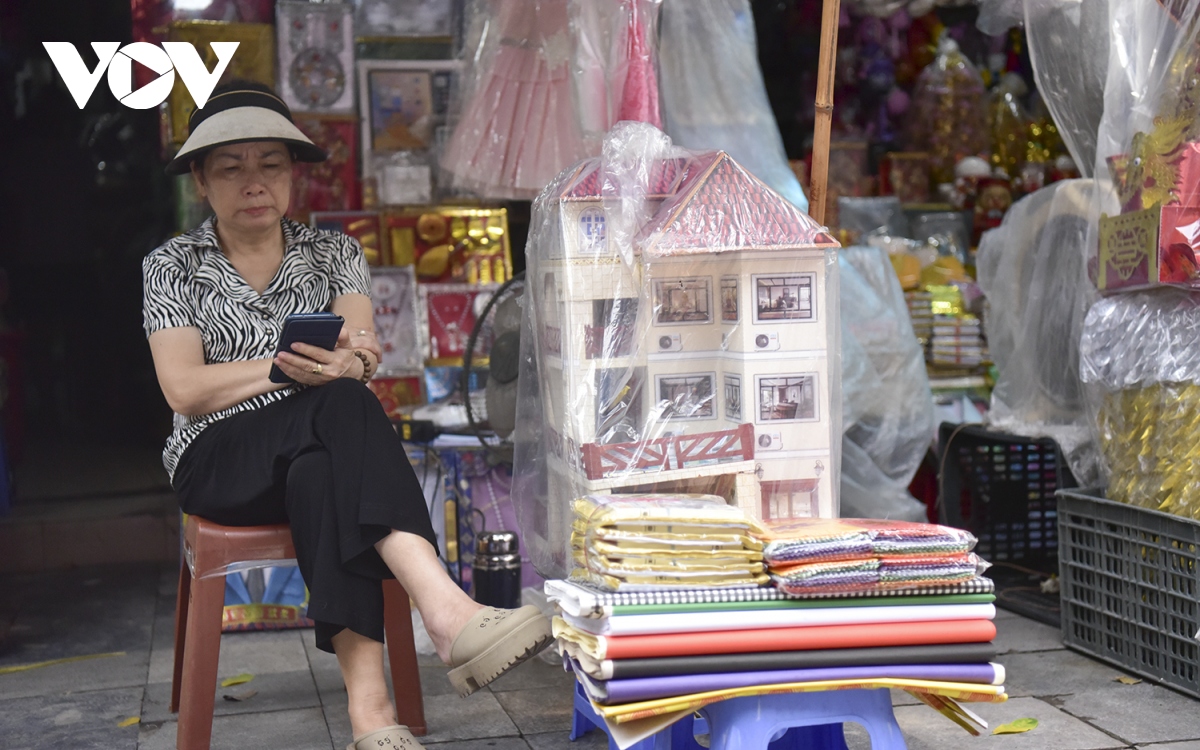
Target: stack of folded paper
x,y
923,624
627,542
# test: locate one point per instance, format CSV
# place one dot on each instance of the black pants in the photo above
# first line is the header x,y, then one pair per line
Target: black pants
x,y
328,462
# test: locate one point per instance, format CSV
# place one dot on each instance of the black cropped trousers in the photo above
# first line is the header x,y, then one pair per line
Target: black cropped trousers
x,y
328,462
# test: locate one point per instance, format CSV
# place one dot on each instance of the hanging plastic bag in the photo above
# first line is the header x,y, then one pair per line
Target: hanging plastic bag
x,y
713,91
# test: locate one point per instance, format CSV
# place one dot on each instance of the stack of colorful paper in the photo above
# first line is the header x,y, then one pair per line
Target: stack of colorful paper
x,y
629,542
918,618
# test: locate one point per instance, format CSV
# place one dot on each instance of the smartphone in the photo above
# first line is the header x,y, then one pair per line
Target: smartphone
x,y
316,329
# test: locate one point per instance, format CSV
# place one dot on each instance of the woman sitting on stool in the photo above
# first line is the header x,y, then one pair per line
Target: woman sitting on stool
x,y
319,454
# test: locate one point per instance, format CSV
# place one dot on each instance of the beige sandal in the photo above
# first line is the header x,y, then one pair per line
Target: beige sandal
x,y
394,737
494,641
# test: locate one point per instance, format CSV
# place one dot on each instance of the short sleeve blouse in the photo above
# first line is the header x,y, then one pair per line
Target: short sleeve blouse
x,y
188,281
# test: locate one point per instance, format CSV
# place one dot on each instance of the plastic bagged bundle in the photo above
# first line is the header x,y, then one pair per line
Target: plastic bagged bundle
x,y
623,542
1148,153
950,111
713,91
1033,270
680,331
1140,356
542,79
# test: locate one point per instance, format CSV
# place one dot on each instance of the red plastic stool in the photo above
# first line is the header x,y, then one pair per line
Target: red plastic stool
x,y
210,547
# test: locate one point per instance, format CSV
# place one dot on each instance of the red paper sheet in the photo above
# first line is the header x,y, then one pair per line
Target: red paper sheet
x,y
800,639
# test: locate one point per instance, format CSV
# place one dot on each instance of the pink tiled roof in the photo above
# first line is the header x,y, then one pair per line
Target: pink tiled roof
x,y
723,208
665,178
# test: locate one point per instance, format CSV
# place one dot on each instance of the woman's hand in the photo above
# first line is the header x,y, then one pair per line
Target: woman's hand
x,y
363,339
312,365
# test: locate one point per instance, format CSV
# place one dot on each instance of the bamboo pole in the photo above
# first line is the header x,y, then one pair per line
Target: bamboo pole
x,y
819,180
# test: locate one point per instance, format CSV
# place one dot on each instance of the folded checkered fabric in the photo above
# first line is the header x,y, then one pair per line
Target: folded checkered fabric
x,y
876,574
804,540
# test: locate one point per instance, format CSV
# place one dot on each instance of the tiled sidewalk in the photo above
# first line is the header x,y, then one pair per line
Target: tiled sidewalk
x,y
300,704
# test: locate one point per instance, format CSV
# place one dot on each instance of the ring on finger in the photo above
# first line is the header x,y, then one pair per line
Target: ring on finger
x,y
316,370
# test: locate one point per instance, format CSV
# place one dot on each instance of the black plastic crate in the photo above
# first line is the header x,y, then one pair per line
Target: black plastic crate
x,y
1131,587
1001,488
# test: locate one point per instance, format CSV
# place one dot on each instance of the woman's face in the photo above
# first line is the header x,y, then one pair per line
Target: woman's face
x,y
248,185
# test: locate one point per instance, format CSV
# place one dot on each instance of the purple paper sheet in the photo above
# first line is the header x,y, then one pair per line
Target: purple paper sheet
x,y
647,688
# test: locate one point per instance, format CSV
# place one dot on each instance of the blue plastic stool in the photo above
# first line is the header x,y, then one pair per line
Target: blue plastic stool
x,y
799,731
751,723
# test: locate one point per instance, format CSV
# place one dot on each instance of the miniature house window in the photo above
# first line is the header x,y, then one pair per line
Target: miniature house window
x,y
729,299
784,299
733,398
796,498
619,405
552,334
690,396
686,301
613,327
593,231
787,398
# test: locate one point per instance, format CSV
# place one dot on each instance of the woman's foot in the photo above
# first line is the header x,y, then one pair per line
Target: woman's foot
x,y
370,713
494,641
394,737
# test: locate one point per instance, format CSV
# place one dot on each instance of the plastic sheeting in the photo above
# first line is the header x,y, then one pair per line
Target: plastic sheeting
x,y
713,91
1068,45
1033,270
1138,352
680,333
1140,356
887,408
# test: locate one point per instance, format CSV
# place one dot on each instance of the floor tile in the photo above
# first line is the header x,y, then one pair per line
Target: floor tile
x,y
261,652
477,716
1189,745
925,729
272,692
499,743
1141,713
539,709
561,740
302,729
1055,673
128,670
1020,635
83,721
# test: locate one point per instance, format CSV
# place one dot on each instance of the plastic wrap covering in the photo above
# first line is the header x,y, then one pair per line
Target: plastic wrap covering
x,y
713,91
950,111
680,333
1140,356
1148,150
1068,45
1033,271
998,16
887,409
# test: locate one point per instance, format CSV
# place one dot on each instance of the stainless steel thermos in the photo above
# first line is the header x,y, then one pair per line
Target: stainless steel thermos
x,y
497,573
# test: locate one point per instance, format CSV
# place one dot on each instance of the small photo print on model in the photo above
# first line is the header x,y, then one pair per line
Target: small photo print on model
x,y
733,398
783,298
787,398
682,301
729,299
687,396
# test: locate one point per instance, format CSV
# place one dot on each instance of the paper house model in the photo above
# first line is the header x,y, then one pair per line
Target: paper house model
x,y
707,355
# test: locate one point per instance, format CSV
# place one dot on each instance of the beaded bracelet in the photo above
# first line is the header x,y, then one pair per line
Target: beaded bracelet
x,y
366,376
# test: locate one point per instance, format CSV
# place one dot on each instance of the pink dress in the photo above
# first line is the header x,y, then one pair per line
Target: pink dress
x,y
519,128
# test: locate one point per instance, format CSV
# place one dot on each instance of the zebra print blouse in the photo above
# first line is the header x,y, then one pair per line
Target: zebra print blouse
x,y
188,281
